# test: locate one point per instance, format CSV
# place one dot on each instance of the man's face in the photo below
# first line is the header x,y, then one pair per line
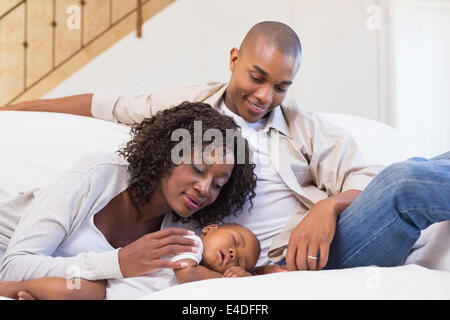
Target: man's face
x,y
260,79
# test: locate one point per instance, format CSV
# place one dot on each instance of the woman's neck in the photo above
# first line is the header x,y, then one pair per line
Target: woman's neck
x,y
155,208
123,221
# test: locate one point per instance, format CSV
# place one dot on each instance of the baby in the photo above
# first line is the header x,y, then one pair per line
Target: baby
x,y
228,250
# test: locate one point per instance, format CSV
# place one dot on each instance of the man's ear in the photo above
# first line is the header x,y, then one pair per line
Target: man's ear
x,y
209,228
234,55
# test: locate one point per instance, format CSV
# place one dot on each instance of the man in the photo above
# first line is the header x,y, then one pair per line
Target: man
x,y
308,175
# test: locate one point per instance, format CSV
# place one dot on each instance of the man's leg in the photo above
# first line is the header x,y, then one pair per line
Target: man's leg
x,y
383,223
442,156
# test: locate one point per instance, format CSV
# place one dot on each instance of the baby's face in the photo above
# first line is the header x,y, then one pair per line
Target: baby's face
x,y
228,246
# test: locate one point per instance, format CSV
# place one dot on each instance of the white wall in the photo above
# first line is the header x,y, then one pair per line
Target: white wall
x,y
421,74
340,66
189,42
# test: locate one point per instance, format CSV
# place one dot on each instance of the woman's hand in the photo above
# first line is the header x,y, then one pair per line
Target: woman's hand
x,y
144,255
313,235
235,272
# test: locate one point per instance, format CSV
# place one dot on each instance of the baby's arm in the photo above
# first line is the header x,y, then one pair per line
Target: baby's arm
x,y
194,272
55,289
236,272
271,268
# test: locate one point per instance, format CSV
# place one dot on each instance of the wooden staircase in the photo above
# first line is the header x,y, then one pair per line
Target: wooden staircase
x,y
42,42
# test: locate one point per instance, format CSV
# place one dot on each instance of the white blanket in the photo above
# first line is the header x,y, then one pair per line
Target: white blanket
x,y
37,147
405,282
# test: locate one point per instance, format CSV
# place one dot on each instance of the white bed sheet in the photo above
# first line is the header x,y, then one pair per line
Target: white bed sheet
x,y
405,282
37,147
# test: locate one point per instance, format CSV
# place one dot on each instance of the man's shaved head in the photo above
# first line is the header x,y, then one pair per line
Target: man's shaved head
x,y
277,34
262,70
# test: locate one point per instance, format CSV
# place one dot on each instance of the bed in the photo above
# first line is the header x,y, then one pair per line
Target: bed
x,y
36,147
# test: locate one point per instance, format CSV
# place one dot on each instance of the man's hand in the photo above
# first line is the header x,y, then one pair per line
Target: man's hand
x,y
235,272
7,108
311,237
144,255
310,241
78,104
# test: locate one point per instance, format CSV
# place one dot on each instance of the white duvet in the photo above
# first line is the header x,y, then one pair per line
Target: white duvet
x,y
37,147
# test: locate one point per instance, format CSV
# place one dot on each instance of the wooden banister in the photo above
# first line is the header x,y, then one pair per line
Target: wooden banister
x,y
42,42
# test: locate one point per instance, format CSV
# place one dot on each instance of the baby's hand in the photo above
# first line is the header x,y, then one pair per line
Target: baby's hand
x,y
23,295
270,269
235,272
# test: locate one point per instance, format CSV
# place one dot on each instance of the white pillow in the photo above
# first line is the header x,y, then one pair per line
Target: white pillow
x,y
379,143
38,146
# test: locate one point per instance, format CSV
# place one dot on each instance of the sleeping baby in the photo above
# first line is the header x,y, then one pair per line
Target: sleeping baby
x,y
228,250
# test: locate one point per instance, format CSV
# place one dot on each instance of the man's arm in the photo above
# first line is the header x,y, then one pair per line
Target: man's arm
x,y
342,200
79,105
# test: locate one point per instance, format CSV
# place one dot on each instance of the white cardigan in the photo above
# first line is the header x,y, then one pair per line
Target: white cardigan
x,y
47,217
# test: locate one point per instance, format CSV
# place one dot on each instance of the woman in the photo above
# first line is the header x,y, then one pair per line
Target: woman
x,y
118,203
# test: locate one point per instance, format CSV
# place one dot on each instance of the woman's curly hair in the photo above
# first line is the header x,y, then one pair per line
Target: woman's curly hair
x,y
150,150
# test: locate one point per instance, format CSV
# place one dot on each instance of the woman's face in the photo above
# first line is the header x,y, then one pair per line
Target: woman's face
x,y
191,187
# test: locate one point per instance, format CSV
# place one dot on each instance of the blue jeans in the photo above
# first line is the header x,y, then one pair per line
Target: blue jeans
x,y
381,226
